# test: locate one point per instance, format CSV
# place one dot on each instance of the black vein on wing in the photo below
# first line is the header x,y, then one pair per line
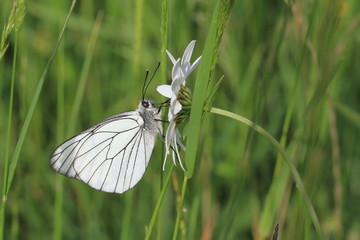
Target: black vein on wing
x,y
127,165
116,133
122,160
61,152
146,159
133,168
93,131
58,156
73,145
107,173
86,165
112,159
88,133
106,146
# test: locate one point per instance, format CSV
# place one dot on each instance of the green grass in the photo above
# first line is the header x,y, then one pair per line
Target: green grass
x,y
291,68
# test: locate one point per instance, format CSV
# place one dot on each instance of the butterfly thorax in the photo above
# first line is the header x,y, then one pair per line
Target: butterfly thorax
x,y
151,116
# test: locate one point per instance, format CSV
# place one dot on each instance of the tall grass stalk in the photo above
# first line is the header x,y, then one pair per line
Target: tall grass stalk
x,y
180,208
60,132
164,32
14,22
209,57
338,189
73,116
295,174
347,112
84,75
158,204
23,132
58,208
221,12
127,216
138,35
276,194
8,139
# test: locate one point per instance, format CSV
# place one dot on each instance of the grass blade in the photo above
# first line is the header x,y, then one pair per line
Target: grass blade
x,y
347,112
20,143
209,58
158,204
295,174
34,101
8,138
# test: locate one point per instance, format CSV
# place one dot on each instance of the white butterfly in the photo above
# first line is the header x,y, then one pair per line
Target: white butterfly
x,y
112,156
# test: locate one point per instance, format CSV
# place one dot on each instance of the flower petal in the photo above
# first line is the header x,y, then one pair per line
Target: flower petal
x,y
171,57
165,90
177,71
192,67
178,137
171,116
182,68
177,154
177,107
175,85
188,52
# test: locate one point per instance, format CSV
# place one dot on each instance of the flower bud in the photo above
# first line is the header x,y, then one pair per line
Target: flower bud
x,y
185,99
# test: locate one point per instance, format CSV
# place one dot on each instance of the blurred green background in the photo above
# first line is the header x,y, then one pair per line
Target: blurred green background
x,y
290,66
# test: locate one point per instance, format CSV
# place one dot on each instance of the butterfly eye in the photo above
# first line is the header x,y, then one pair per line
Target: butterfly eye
x,y
145,103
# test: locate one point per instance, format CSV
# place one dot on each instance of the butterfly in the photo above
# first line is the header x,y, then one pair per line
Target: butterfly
x,y
112,155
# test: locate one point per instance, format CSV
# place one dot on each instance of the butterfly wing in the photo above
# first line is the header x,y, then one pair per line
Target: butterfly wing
x,y
111,156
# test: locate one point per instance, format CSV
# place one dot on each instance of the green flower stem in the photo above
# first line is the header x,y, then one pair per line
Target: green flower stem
x,y
158,204
179,208
209,58
295,174
8,138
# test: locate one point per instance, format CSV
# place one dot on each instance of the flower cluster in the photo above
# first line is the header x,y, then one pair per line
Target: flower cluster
x,y
180,100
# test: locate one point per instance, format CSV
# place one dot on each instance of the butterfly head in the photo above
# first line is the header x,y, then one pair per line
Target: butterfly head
x,y
151,116
147,105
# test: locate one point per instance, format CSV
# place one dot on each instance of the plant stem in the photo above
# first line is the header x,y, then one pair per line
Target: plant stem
x,y
8,136
295,174
179,208
158,204
13,163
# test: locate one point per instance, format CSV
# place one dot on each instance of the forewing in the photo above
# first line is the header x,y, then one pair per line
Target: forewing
x,y
112,156
63,157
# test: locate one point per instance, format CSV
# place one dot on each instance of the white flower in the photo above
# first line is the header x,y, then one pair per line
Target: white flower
x,y
180,71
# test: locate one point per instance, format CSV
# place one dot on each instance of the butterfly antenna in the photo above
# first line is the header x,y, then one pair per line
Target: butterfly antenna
x,y
148,83
144,86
